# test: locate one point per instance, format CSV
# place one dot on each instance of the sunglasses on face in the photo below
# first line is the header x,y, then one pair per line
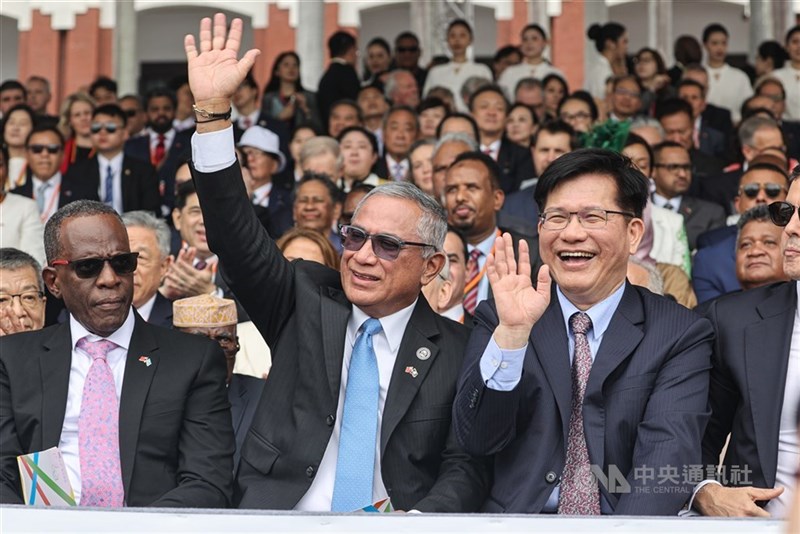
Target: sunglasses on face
x,y
771,190
130,113
781,213
110,127
407,49
384,246
92,267
50,149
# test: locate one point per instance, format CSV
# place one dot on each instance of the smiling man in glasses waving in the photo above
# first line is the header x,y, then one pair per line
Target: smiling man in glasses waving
x,y
139,413
358,404
123,182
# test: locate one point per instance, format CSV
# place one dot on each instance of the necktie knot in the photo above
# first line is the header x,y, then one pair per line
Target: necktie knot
x,y
580,323
371,326
162,139
475,254
96,349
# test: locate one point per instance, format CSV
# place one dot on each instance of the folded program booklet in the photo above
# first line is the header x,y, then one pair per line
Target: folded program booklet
x,y
44,479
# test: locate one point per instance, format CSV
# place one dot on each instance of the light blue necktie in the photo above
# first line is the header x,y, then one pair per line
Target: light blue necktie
x,y
41,191
355,467
109,197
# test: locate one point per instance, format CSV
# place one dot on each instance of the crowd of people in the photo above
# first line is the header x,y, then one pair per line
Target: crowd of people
x,y
464,287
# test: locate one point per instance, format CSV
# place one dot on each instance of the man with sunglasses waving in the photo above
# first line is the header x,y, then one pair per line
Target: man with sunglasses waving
x,y
357,407
139,413
754,387
123,182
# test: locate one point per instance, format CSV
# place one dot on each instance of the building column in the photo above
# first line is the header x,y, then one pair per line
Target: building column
x,y
309,45
126,64
422,25
761,24
659,25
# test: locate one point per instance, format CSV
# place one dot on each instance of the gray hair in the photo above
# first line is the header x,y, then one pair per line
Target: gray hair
x,y
756,213
319,145
646,122
12,259
749,127
527,83
145,219
472,84
41,79
79,208
455,137
390,84
655,282
431,225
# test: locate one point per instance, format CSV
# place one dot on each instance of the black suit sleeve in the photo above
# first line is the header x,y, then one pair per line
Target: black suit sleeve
x,y
10,448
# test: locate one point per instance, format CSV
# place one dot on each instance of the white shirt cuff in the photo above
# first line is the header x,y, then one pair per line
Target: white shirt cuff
x,y
213,151
699,487
502,369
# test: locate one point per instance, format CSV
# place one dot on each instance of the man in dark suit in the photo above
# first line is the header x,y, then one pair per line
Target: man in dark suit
x,y
163,146
489,106
636,395
307,440
152,400
150,238
705,137
340,81
754,395
50,190
672,174
400,130
123,182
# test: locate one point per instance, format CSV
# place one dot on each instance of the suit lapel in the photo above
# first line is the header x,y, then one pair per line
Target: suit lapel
x,y
55,363
127,185
237,396
549,340
403,387
135,387
766,355
620,340
334,312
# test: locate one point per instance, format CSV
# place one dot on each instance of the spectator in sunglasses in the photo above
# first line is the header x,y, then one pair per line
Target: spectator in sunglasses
x,y
167,440
759,258
135,115
45,151
121,181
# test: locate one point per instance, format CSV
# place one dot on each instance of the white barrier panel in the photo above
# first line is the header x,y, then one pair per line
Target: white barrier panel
x,y
152,520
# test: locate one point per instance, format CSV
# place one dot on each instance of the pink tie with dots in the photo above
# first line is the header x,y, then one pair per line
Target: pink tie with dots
x,y
98,431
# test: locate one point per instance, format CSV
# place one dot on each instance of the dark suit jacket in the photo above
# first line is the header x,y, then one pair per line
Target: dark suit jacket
x,y
71,190
139,147
139,182
699,216
516,165
339,81
244,393
751,354
645,405
722,188
714,269
791,136
718,118
706,239
175,436
302,313
521,205
712,142
278,216
161,314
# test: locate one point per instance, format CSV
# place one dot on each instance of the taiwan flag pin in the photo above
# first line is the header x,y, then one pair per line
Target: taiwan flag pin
x,y
412,371
145,360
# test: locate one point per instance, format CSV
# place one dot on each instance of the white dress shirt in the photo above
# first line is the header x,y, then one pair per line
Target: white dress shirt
x,y
20,226
392,163
51,195
492,149
513,74
147,308
116,169
81,362
662,202
790,78
260,196
386,343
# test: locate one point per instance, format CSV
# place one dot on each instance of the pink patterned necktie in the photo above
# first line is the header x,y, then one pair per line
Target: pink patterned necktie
x,y
98,431
579,494
473,279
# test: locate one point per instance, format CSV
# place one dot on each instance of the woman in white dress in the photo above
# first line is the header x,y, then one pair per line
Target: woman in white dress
x,y
611,42
20,226
790,74
453,74
533,65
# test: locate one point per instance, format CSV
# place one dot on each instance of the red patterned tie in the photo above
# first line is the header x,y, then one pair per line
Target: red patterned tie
x,y
579,494
161,150
98,431
473,279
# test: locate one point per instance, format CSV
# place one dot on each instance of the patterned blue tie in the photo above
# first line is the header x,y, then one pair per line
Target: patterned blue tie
x,y
109,197
355,467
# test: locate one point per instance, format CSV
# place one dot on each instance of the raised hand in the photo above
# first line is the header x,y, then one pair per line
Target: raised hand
x,y
215,72
10,323
518,304
716,500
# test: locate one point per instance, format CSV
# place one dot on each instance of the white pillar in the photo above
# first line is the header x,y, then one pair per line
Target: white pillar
x,y
126,65
310,46
761,21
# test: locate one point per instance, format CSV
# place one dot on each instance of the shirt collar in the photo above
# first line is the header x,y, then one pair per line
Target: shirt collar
x,y
121,336
486,245
115,162
393,326
661,201
600,314
54,181
147,308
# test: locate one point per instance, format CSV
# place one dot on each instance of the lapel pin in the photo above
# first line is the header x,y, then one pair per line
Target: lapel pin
x,y
412,371
423,353
145,360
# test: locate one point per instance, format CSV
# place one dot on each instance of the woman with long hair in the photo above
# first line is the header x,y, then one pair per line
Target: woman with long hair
x,y
284,96
611,43
76,124
17,125
651,71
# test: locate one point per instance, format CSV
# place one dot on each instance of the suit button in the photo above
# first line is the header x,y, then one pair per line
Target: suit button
x,y
330,420
310,471
550,477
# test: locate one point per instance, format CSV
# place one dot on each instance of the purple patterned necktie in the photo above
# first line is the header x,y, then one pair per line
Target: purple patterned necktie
x,y
98,431
579,494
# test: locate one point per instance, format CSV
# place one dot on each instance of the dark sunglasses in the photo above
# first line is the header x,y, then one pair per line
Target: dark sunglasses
x,y
781,212
51,149
384,246
110,127
92,267
771,190
130,113
407,49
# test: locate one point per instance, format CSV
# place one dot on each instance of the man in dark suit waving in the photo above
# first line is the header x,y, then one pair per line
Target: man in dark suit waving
x,y
615,378
358,404
139,412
